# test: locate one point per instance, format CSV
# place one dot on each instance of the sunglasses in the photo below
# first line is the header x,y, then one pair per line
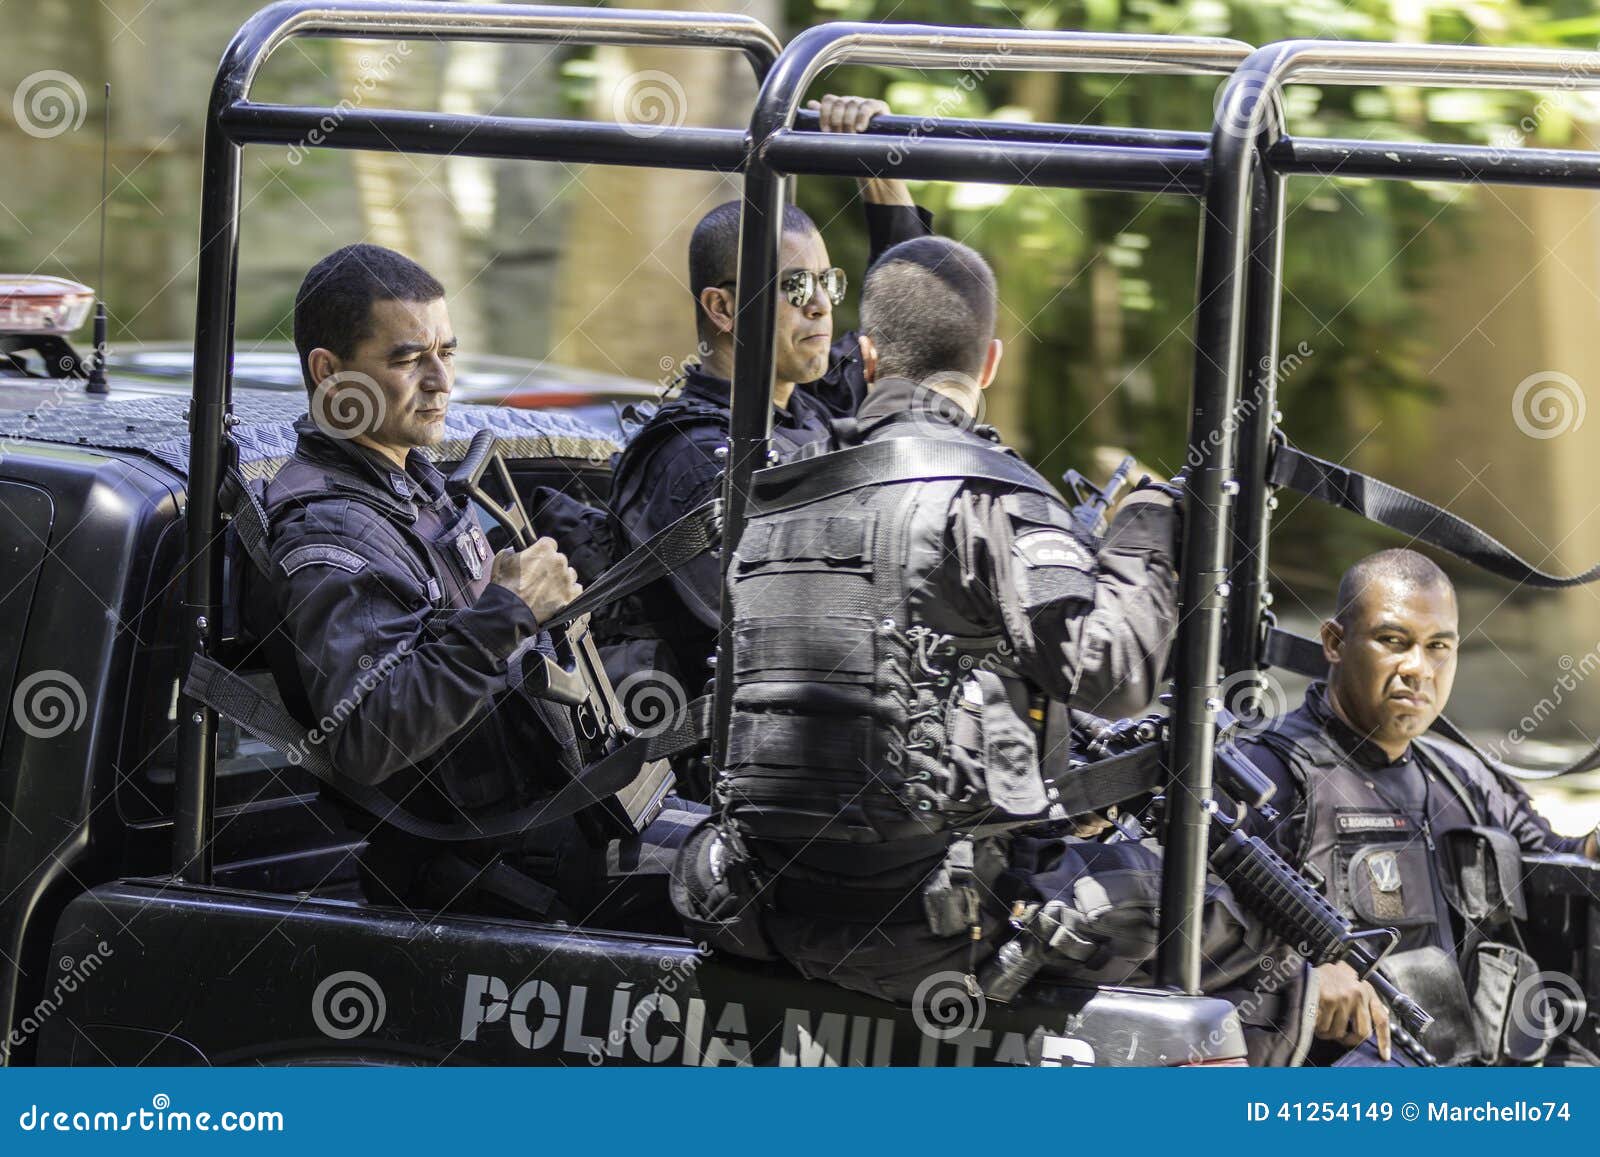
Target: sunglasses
x,y
800,285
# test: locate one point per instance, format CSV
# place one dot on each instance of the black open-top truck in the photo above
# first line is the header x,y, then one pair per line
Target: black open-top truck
x,y
174,892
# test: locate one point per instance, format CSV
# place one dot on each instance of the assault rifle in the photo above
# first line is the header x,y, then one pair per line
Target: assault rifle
x,y
1264,882
1093,501
575,676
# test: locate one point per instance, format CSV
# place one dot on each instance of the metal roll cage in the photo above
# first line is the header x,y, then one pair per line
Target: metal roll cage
x,y
1237,171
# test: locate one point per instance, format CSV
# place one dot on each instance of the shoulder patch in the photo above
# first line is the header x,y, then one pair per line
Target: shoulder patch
x,y
1053,547
322,555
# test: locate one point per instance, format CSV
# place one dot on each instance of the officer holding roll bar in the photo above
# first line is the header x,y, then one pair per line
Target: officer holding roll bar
x,y
674,463
1408,830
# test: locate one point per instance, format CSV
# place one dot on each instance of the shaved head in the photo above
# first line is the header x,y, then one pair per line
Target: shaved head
x,y
1387,568
929,306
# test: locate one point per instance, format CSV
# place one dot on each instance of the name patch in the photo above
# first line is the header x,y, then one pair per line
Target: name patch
x,y
322,555
1373,822
1054,548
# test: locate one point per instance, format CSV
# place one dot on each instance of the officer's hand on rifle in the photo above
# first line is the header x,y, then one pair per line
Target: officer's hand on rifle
x,y
1348,1010
539,576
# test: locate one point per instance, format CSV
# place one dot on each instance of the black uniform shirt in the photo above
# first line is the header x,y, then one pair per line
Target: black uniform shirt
x,y
681,469
403,662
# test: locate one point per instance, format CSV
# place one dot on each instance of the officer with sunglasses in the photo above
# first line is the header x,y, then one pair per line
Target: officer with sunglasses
x,y
674,462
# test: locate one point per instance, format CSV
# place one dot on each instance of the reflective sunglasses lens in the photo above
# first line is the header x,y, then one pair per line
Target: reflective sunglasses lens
x,y
797,287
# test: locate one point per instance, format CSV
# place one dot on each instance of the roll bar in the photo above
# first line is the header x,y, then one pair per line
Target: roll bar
x,y
1103,159
233,121
1236,341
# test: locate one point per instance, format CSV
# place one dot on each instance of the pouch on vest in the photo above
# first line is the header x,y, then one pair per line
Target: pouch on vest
x,y
1483,875
996,746
1431,977
1516,1013
950,898
1383,869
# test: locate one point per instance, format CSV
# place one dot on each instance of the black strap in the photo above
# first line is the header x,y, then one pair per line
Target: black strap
x,y
824,476
1422,520
686,539
232,697
247,516
1093,787
1291,652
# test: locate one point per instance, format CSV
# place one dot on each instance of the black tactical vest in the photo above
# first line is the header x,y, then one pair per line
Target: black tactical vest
x,y
450,559
1381,864
866,711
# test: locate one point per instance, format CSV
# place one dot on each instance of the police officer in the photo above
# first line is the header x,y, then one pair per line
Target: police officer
x,y
385,611
674,464
1380,812
896,617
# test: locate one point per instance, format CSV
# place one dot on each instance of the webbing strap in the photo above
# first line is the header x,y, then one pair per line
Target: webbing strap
x,y
233,697
248,517
665,552
1093,787
1398,510
824,476
1291,652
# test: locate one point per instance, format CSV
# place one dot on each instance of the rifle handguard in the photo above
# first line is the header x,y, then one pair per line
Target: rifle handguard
x,y
1285,900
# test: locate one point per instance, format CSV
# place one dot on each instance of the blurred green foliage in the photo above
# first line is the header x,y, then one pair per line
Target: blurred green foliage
x,y
1357,251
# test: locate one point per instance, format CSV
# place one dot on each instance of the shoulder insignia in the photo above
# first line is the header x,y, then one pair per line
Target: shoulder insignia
x,y
1053,547
322,555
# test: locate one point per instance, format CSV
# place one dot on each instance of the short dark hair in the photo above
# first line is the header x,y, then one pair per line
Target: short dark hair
x,y
1399,565
929,306
333,308
714,251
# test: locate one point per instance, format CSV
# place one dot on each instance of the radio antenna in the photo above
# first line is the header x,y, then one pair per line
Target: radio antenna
x,y
97,368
